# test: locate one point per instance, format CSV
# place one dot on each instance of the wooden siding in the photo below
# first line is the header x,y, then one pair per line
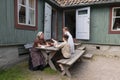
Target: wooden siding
x,y
100,26
60,24
9,35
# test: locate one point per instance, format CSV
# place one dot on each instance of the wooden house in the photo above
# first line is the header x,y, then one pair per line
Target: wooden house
x,y
90,21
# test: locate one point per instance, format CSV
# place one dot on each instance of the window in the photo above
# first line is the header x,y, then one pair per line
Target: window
x,y
82,12
115,20
26,14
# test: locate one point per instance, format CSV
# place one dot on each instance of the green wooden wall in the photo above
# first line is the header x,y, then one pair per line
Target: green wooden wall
x,y
99,26
60,24
9,35
99,20
100,16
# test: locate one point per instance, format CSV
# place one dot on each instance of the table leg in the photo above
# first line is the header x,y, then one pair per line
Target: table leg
x,y
51,54
45,55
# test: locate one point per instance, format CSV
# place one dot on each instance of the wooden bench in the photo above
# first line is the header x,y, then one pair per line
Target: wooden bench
x,y
82,48
67,63
77,45
28,45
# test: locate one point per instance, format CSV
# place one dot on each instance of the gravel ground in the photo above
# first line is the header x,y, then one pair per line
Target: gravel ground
x,y
97,68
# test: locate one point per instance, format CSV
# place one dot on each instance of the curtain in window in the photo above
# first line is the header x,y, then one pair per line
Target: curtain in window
x,y
20,2
114,19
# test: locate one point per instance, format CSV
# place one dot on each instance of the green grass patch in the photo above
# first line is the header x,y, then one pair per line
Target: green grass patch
x,y
21,72
14,73
48,70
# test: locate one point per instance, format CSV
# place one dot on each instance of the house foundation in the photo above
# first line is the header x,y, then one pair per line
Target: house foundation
x,y
106,50
10,55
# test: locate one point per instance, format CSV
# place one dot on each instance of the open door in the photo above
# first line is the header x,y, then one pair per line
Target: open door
x,y
83,23
47,21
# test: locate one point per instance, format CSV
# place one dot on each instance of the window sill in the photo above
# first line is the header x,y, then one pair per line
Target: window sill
x,y
114,32
25,27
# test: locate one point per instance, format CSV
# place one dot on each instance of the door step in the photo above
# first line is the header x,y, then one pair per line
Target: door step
x,y
82,48
88,55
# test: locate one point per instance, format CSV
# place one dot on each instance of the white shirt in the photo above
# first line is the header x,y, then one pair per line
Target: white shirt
x,y
70,41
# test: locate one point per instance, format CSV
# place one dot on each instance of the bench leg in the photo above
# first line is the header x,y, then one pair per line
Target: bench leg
x,y
66,70
79,60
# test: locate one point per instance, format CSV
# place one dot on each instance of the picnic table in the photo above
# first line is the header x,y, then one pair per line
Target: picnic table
x,y
48,53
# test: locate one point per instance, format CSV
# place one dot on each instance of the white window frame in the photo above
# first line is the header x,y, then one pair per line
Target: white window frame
x,y
113,18
28,8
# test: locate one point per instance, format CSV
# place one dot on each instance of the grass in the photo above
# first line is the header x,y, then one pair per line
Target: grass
x,y
48,70
17,72
21,72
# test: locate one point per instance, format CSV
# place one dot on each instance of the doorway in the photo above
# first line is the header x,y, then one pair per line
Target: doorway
x,y
78,22
54,24
70,21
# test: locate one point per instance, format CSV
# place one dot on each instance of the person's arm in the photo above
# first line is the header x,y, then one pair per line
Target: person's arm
x,y
39,45
61,45
58,45
55,42
36,44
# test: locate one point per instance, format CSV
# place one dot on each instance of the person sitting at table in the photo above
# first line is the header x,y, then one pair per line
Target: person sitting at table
x,y
37,60
65,48
70,39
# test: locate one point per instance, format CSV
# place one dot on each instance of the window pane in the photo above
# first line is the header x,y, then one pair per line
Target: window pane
x,y
22,14
32,17
23,2
31,3
116,23
82,12
117,12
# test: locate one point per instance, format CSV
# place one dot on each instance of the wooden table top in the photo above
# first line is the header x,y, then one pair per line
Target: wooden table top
x,y
51,48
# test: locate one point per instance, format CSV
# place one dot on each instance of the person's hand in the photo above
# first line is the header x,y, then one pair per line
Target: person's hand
x,y
39,45
54,40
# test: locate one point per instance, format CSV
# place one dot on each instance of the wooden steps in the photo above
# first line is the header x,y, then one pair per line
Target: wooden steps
x,y
86,55
77,45
81,48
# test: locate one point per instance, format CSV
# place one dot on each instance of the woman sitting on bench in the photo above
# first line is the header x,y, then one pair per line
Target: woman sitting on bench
x,y
65,48
36,60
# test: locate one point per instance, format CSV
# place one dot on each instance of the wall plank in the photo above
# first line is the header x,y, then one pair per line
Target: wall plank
x,y
9,35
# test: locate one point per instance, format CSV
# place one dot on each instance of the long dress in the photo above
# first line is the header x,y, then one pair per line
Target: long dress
x,y
36,59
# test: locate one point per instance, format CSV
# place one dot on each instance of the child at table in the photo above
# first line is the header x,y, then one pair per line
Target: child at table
x,y
70,39
65,48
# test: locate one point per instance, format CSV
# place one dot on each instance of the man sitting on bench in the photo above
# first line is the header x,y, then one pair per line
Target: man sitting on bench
x,y
65,48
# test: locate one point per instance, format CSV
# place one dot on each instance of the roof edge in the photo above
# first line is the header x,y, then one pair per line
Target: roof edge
x,y
55,3
85,4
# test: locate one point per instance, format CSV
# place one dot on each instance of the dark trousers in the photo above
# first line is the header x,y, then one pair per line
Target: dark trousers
x,y
57,57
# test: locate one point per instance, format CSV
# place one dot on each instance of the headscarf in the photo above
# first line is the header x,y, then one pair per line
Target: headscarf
x,y
39,34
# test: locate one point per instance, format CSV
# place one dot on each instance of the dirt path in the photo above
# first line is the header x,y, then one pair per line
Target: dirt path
x,y
98,68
